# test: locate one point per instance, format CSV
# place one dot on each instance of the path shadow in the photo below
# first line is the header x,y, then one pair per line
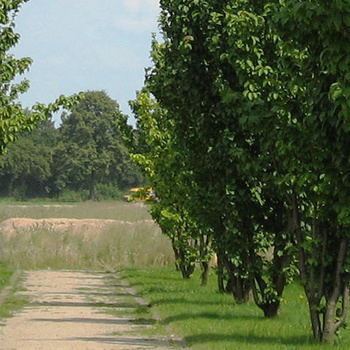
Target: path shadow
x,y
175,301
102,294
87,277
86,304
118,321
141,342
210,316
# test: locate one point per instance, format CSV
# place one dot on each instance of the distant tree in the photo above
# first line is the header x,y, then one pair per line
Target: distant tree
x,y
90,150
25,169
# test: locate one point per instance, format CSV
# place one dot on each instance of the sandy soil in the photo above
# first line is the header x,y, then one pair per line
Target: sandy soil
x,y
67,310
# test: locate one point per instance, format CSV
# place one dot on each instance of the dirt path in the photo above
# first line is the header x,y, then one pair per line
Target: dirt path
x,y
67,310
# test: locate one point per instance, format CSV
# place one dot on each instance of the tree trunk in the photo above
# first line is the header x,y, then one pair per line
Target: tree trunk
x,y
315,321
182,264
92,192
205,266
220,270
332,321
271,309
239,289
205,252
238,286
186,270
329,327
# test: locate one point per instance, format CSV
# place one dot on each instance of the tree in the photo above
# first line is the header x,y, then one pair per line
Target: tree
x,y
214,97
164,168
26,166
90,150
260,118
315,61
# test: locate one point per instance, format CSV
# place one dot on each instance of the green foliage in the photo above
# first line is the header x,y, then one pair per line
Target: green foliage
x,y
26,167
69,196
165,170
108,192
40,163
213,57
254,105
90,149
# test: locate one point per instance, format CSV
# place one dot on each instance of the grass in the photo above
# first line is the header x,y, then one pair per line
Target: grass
x,y
6,272
202,316
119,244
8,302
11,304
210,320
117,210
133,240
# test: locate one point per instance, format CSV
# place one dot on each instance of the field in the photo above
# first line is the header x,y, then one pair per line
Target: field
x,y
82,236
121,237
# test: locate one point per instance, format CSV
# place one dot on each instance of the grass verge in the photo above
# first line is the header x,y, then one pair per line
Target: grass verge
x,y
6,272
9,284
207,319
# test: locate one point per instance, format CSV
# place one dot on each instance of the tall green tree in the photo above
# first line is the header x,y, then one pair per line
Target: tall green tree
x,y
207,47
90,150
315,60
166,174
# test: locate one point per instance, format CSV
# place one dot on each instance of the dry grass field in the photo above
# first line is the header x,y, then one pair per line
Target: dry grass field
x,y
105,235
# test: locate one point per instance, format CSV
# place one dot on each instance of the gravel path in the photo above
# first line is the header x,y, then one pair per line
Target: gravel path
x,y
67,310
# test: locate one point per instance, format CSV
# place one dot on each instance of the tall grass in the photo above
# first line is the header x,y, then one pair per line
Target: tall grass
x,y
134,240
119,244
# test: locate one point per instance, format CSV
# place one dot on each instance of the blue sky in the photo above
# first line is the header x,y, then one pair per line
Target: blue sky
x,y
80,45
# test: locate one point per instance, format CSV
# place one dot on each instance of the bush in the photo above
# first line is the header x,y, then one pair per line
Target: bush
x,y
108,191
73,196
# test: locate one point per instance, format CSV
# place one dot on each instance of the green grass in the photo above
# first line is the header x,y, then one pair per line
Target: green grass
x,y
9,303
210,320
6,272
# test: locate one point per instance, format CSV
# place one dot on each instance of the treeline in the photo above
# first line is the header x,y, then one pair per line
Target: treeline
x,y
84,158
243,132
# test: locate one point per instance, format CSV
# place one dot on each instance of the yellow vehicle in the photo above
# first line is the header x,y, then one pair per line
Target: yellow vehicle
x,y
139,194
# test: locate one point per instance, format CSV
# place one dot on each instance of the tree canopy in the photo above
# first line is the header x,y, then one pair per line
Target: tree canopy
x,y
90,150
254,101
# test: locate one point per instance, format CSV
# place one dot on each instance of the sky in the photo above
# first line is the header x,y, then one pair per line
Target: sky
x,y
81,45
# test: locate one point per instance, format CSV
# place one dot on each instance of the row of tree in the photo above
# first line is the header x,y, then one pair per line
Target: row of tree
x,y
86,152
243,132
